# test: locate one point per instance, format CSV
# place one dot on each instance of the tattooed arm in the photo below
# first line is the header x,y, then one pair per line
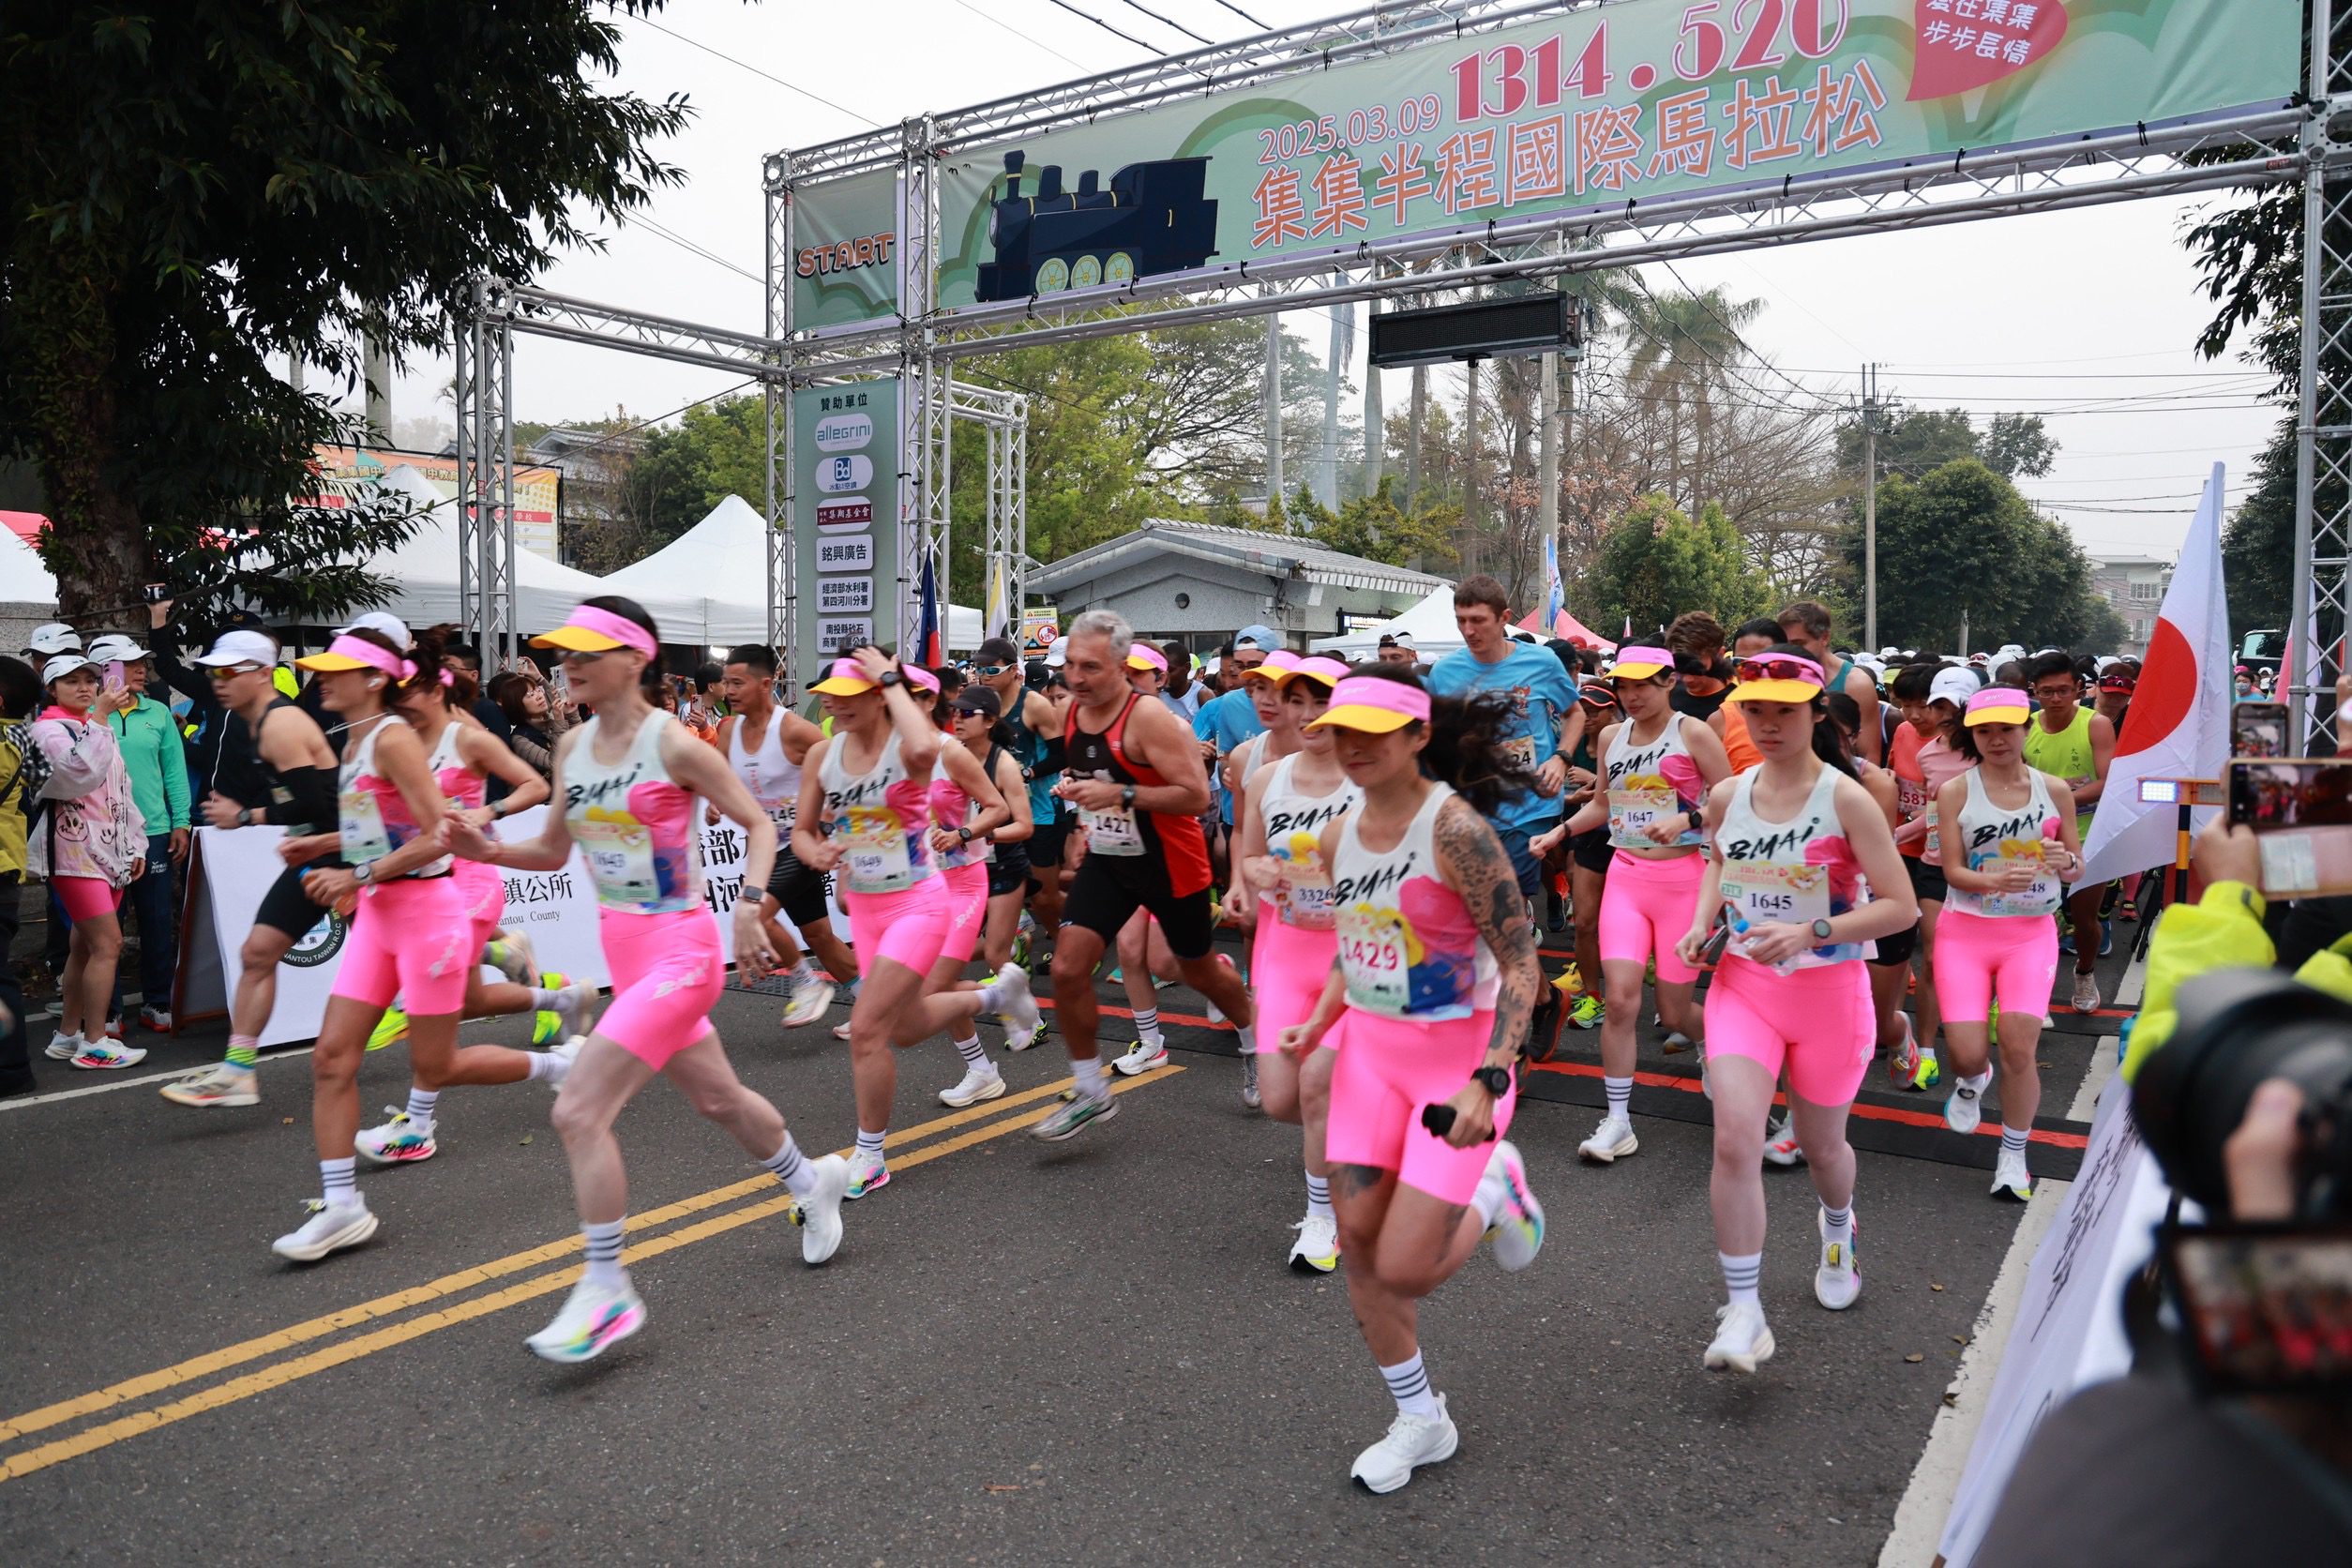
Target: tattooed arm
x,y
1471,861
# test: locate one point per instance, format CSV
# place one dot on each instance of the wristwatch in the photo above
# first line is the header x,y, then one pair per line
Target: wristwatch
x,y
245,816
1127,797
891,678
963,836
1821,930
1495,1080
359,872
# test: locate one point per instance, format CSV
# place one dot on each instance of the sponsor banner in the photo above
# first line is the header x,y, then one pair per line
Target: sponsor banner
x,y
845,595
1590,110
847,501
853,554
538,491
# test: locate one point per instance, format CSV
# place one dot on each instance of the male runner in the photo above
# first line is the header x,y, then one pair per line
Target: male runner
x,y
1806,624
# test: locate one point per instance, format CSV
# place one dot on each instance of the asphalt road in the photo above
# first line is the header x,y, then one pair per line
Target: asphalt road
x,y
1073,1352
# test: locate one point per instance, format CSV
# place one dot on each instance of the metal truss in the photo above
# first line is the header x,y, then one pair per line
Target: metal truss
x,y
2323,448
924,420
486,477
783,598
1005,554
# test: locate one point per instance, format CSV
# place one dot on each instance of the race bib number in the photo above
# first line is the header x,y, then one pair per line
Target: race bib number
x,y
1306,895
1374,960
2039,897
1910,796
1114,832
1759,891
1631,811
619,850
783,814
874,851
365,837
1521,750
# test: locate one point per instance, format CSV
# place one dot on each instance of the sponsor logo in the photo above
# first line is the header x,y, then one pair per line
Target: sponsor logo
x,y
850,511
838,475
844,432
319,944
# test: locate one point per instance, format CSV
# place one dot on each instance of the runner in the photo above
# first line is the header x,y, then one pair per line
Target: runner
x,y
962,827
1589,857
627,778
865,808
1789,846
462,758
2069,741
1656,766
1036,724
1930,698
1805,625
1436,981
983,732
1135,780
87,838
2015,846
289,781
1224,722
766,747
1702,672
1284,887
1751,638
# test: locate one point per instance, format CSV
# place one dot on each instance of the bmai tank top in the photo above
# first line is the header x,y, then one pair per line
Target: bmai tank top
x,y
634,824
1408,946
1650,783
373,818
882,817
1990,835
1294,836
1797,871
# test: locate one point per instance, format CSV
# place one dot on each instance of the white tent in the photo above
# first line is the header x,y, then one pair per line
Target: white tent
x,y
721,563
23,580
1430,624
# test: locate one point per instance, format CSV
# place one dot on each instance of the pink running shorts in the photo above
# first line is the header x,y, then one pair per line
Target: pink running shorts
x,y
908,927
666,970
410,939
1646,908
1388,1070
1819,1022
966,910
1288,966
1982,957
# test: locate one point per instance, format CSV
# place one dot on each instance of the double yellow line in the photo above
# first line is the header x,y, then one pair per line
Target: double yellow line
x,y
278,1373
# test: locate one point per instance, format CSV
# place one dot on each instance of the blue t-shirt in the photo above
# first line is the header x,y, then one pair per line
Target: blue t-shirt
x,y
1228,721
1540,696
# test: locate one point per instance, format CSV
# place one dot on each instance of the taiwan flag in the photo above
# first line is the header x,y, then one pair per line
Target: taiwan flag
x,y
928,652
2178,725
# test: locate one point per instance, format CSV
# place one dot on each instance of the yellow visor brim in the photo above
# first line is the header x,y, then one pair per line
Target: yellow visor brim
x,y
1355,715
1997,715
1774,691
841,685
332,662
578,639
1634,672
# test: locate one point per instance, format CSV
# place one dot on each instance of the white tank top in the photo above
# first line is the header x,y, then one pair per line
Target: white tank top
x,y
1644,787
1991,837
373,818
883,819
771,779
635,825
1294,836
1797,871
1408,948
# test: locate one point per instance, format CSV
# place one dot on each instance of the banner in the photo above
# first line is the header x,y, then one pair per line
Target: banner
x,y
538,490
1592,110
556,910
846,496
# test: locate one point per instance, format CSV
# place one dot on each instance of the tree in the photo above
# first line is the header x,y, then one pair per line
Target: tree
x,y
1684,348
1911,442
1658,562
2258,542
2015,444
191,189
1374,527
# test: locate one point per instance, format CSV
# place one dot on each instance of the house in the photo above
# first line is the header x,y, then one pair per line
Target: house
x,y
2135,585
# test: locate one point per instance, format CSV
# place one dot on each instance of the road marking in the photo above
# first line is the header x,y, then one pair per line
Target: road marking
x,y
277,1375
113,1083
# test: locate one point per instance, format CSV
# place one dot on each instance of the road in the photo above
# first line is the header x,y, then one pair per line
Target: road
x,y
1054,1353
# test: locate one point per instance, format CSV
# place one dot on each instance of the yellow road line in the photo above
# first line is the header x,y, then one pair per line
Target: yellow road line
x,y
448,1285
277,1375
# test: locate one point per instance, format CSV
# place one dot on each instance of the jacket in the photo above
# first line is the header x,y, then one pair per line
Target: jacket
x,y
2220,931
12,738
92,827
157,762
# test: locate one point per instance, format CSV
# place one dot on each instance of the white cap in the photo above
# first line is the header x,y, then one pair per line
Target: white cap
x,y
62,665
389,625
1058,655
240,647
115,645
1955,686
54,637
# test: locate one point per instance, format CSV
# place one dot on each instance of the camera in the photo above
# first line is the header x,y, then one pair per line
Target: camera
x,y
2238,1028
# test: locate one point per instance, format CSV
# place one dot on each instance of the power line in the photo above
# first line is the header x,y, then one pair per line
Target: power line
x,y
1174,26
686,244
755,70
1105,26
1034,43
1244,16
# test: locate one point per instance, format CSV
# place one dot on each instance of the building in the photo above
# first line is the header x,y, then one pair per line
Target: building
x,y
1201,582
2135,586
596,467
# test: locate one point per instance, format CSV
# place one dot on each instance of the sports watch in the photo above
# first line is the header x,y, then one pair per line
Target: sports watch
x,y
891,678
1127,797
1821,930
1495,1080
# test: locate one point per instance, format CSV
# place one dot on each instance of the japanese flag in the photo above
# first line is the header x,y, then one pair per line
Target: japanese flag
x,y
2178,725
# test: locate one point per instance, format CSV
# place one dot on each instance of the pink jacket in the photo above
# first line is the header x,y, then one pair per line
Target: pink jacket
x,y
91,822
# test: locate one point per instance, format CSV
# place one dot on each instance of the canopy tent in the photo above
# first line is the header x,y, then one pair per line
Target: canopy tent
x,y
22,578
1429,624
1569,629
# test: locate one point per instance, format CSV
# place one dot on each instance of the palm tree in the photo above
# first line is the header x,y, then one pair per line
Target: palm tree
x,y
1684,346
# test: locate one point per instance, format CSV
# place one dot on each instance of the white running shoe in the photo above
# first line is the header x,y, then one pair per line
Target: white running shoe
x,y
2010,1179
1250,1097
155,1018
1017,1009
1317,1250
1838,1280
576,1003
1146,1055
1964,1109
1781,1147
867,1174
595,1318
399,1141
1743,1342
1612,1140
1412,1441
328,1229
64,1047
2085,992
567,1054
516,959
841,1030
983,1082
820,1211
1518,1230
219,1084
1020,1039
107,1055
811,998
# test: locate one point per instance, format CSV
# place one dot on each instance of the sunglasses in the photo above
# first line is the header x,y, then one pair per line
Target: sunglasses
x,y
573,659
984,671
231,672
1783,669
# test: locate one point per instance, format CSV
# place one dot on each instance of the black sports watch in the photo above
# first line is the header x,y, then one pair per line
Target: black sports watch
x,y
891,678
1127,797
1495,1080
1821,930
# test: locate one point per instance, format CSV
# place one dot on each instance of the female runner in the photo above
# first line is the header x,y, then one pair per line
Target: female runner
x,y
865,810
979,724
2011,850
1656,767
89,841
1934,760
961,821
628,778
1436,980
1283,884
463,758
1791,840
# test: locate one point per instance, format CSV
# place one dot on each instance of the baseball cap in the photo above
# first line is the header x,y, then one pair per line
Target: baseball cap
x,y
240,647
1397,639
978,699
1955,686
54,637
1999,705
62,665
1264,638
114,645
2118,680
385,623
1057,654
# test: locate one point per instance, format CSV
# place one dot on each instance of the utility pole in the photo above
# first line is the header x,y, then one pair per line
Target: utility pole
x,y
1273,416
1870,508
1470,486
1548,456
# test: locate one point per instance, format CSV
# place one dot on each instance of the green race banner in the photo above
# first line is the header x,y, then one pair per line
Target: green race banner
x,y
1591,109
844,518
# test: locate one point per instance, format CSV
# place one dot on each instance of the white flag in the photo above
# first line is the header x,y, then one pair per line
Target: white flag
x,y
2178,725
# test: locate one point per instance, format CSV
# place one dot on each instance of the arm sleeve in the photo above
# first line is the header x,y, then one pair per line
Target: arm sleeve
x,y
306,803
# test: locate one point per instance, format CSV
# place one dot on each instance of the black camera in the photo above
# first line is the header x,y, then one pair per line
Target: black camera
x,y
2237,1029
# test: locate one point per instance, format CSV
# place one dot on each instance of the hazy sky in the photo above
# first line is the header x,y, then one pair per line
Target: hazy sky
x,y
2088,317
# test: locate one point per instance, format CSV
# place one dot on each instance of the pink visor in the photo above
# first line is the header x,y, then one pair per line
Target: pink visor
x,y
1999,705
844,677
1329,672
918,677
1143,655
1278,666
357,653
1374,705
590,630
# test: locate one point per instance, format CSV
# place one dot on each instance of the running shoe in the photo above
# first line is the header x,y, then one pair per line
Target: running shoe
x,y
1017,1008
219,1084
1518,1229
2085,992
547,1024
1743,1341
1781,1147
1412,1441
2107,938
64,1047
1317,1250
2131,910
1677,1041
393,1028
156,1018
577,1007
819,1215
1068,1119
1022,1039
107,1056
811,998
1929,1072
1612,1140
328,1229
841,1030
1838,1280
867,1174
514,958
1144,1056
1587,1012
399,1141
983,1082
1902,1061
1020,944
2010,1179
567,1053
1250,1096
1964,1107
1041,963
595,1318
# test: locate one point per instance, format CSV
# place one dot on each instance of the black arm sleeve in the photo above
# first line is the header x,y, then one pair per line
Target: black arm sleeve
x,y
303,801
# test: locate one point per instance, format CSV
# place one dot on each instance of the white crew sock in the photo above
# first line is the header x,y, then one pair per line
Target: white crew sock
x,y
1621,1093
546,999
1976,1083
975,1055
1408,1385
1837,1225
420,1107
1089,1075
339,1182
604,1253
1318,1196
548,1066
1741,1276
870,1145
2014,1138
786,1166
1147,1026
1490,1195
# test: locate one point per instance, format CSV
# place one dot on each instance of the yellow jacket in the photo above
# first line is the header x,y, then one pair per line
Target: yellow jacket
x,y
2220,931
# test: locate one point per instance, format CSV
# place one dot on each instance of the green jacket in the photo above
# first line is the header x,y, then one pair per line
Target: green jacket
x,y
157,760
2220,931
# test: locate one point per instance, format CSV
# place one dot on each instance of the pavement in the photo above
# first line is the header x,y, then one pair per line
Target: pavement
x,y
1051,1354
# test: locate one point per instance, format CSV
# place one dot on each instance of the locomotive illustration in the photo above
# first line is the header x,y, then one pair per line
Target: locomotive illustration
x,y
1152,218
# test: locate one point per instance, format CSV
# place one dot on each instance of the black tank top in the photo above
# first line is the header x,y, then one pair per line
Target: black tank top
x,y
1172,851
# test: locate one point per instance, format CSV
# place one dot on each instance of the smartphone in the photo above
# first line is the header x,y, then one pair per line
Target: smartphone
x,y
2258,729
113,675
2265,1308
2300,810
156,593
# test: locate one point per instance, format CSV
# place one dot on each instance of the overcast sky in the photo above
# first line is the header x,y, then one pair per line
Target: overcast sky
x,y
2086,317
